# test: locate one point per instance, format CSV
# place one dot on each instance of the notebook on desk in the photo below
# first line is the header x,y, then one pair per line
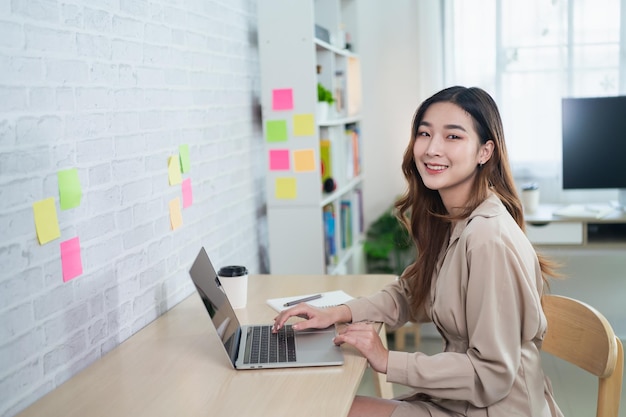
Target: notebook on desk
x,y
286,349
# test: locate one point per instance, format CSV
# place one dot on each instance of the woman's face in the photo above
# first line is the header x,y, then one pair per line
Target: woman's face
x,y
447,152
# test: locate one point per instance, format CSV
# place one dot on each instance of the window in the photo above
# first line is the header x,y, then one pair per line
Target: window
x,y
529,55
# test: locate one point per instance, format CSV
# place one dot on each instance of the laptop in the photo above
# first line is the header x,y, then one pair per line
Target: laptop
x,y
255,346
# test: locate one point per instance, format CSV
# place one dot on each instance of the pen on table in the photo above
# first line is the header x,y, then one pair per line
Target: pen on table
x,y
303,300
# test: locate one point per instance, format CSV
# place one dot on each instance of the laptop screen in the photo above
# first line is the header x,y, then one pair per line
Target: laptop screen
x,y
217,305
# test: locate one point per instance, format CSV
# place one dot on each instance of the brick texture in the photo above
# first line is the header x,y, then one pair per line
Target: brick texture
x,y
113,88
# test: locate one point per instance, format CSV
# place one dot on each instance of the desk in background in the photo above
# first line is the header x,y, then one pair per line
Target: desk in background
x,y
176,366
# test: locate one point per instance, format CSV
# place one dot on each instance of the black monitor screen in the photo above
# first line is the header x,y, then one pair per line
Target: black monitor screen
x,y
594,142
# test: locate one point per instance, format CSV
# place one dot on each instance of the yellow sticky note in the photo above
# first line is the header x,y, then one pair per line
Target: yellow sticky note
x,y
285,188
304,160
46,221
303,125
173,170
176,216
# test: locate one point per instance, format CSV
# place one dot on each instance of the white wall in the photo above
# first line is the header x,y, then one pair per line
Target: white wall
x,y
387,45
112,88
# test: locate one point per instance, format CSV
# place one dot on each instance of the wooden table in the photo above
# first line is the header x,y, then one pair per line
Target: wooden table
x,y
175,366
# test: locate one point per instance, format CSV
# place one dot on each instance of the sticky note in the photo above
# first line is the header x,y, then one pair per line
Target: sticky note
x,y
187,195
276,130
183,152
46,221
282,99
69,188
304,160
279,159
285,188
71,262
303,125
173,170
176,217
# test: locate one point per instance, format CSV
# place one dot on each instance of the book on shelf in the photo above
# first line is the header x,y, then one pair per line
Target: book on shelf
x,y
325,160
353,154
353,87
330,248
346,224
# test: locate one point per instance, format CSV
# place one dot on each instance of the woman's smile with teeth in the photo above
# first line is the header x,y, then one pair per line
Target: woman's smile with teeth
x,y
436,167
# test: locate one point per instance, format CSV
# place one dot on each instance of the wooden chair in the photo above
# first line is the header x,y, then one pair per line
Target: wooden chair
x,y
581,335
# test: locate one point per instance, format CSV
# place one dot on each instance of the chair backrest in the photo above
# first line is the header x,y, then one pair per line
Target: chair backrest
x,y
581,335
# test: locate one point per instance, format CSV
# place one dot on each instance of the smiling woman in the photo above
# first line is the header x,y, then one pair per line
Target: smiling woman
x,y
476,276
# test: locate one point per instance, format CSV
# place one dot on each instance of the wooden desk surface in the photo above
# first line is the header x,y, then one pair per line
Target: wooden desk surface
x,y
175,366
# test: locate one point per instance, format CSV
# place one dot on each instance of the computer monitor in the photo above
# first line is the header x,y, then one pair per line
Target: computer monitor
x,y
594,144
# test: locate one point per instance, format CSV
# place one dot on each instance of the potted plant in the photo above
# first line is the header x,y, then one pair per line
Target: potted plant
x,y
387,245
325,99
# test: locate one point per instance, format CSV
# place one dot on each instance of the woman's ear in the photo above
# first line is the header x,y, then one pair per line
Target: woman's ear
x,y
485,152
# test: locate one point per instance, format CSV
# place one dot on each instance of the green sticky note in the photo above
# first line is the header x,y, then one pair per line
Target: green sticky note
x,y
183,150
69,189
276,130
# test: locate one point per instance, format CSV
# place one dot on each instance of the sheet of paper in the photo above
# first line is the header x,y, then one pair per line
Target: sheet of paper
x,y
303,125
328,299
176,217
187,194
183,151
46,221
286,188
282,99
173,170
304,160
276,131
279,160
71,262
70,193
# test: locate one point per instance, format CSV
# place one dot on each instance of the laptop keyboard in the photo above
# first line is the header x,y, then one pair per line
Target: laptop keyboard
x,y
263,346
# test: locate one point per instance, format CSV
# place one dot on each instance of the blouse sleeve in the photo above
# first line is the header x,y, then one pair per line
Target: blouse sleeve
x,y
389,306
501,300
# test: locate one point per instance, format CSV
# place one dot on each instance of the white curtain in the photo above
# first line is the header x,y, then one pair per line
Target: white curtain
x,y
528,55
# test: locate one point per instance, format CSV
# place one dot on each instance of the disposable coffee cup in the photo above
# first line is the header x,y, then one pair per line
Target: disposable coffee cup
x,y
234,280
530,197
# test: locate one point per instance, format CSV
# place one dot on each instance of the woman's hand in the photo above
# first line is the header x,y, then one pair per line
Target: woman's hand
x,y
315,318
365,338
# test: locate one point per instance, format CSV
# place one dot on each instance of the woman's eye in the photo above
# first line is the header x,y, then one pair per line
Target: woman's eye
x,y
422,134
453,137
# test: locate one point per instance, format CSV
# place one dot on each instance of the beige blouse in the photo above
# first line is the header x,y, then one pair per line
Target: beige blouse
x,y
485,301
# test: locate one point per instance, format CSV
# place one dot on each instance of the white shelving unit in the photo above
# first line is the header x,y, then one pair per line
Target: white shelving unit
x,y
293,61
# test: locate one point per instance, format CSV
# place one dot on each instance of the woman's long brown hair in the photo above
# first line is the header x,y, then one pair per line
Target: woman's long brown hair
x,y
422,211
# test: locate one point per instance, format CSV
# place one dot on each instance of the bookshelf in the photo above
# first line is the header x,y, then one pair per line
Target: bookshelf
x,y
312,229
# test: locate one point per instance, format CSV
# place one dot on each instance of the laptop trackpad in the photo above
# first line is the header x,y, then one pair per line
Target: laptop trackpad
x,y
315,340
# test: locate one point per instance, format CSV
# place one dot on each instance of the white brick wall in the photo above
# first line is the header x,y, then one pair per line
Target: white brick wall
x,y
112,88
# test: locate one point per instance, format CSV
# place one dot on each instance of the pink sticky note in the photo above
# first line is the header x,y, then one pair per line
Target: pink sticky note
x,y
187,195
282,99
279,160
70,259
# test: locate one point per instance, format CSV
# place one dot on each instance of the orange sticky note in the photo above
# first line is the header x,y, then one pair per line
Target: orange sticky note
x,y
46,221
173,170
176,216
303,125
71,262
285,188
304,160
